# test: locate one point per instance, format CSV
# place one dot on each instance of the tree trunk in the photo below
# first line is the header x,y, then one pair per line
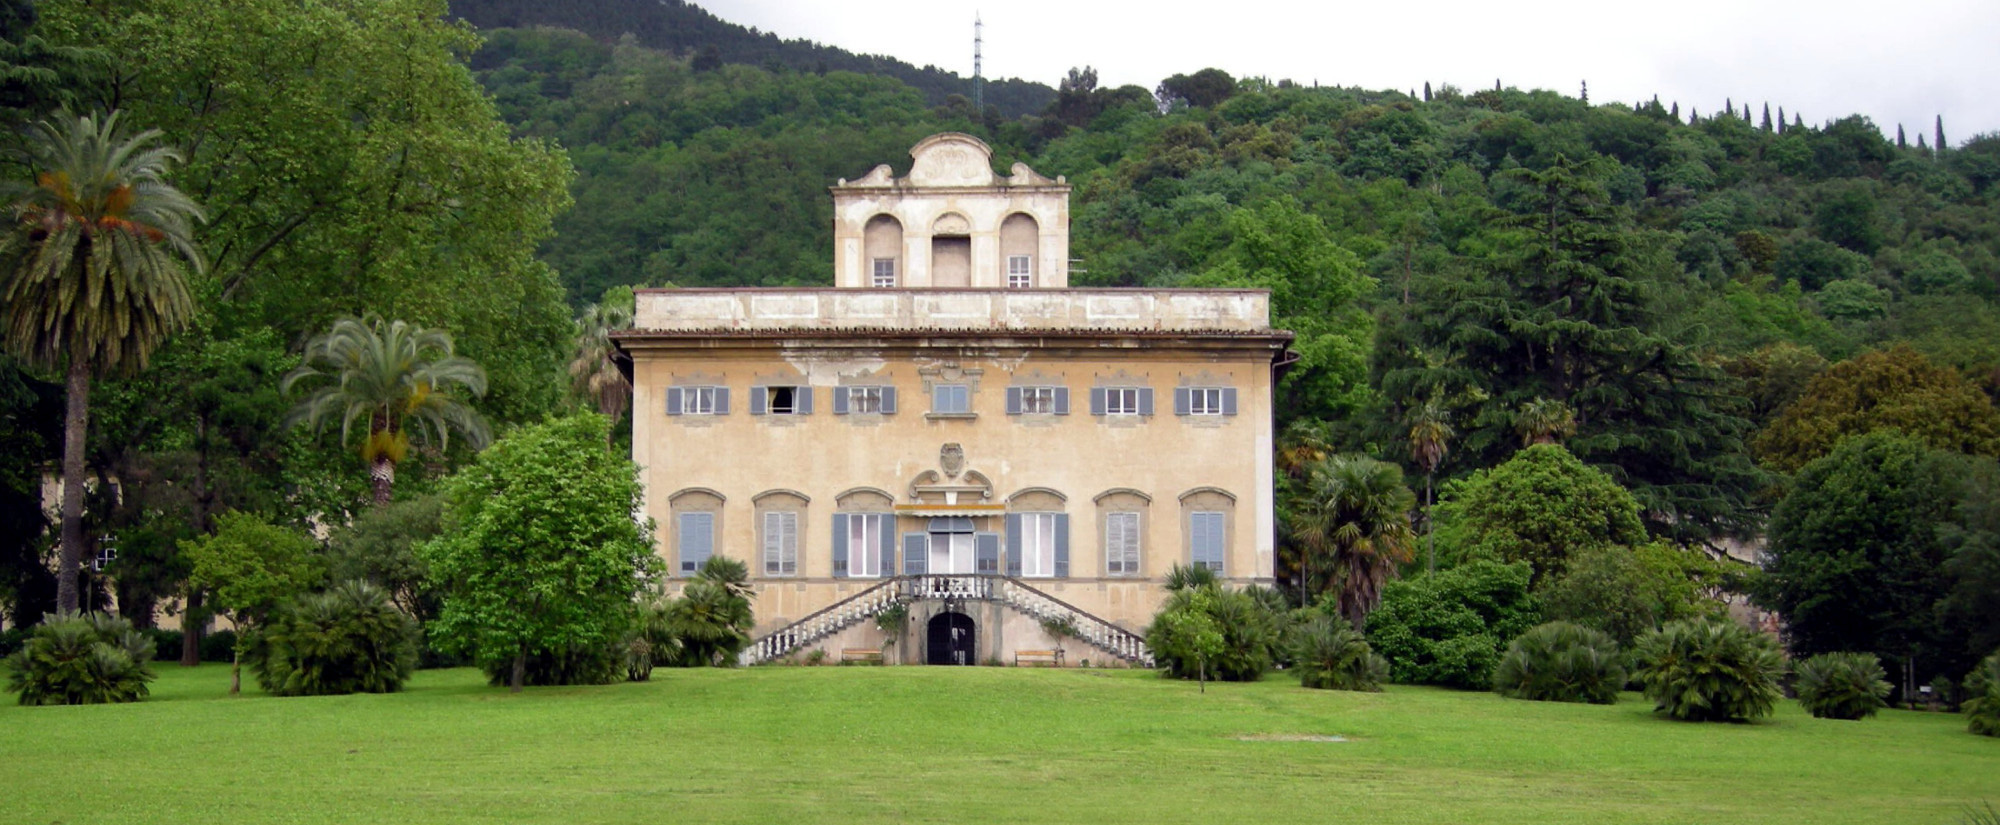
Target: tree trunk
x,y
520,670
76,416
192,622
236,664
1430,529
1201,673
382,476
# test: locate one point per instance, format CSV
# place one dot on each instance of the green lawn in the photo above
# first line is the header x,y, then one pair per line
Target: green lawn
x,y
808,745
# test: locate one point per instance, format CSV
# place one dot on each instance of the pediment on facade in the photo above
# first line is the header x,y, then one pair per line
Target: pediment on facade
x,y
952,159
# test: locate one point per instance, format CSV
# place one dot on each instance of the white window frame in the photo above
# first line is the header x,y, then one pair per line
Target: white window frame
x,y
1220,536
771,399
1020,272
1121,400
1038,400
863,400
781,543
959,392
1122,528
882,273
698,400
1038,545
1204,401
864,544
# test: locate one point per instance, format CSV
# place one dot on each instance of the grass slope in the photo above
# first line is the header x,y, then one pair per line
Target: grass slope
x,y
959,745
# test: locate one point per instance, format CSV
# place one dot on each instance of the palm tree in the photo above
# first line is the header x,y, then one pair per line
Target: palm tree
x,y
1430,437
91,277
396,377
1544,421
593,375
1355,519
712,618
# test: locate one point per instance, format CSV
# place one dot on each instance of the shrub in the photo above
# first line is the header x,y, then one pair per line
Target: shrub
x,y
1561,662
1842,685
81,660
1331,655
650,640
712,618
1982,697
1626,591
1448,628
1710,670
350,639
589,666
1249,635
14,638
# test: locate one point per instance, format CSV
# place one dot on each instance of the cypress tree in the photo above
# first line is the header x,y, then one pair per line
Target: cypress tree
x,y
1767,116
1676,111
1585,94
1781,120
1920,144
1901,142
1939,143
1746,111
1496,84
1694,116
1427,91
1798,122
1729,105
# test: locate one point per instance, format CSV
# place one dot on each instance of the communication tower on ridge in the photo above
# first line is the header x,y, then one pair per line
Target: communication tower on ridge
x,y
978,82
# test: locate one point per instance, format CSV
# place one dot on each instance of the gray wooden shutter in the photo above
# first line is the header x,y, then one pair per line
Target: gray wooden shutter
x,y
1228,400
1182,403
673,400
760,400
839,400
888,400
986,553
1062,545
803,398
1013,400
916,547
1014,544
1062,401
721,400
1145,400
885,560
697,541
840,545
1096,400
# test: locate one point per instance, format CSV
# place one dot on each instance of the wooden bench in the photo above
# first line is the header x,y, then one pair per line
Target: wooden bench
x,y
860,654
1052,658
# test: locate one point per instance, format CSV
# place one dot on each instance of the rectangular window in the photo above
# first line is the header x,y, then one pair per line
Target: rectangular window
x,y
951,398
1206,539
1020,274
1121,544
1121,401
1038,544
884,275
781,544
864,399
784,400
698,400
864,544
1205,401
1038,400
697,541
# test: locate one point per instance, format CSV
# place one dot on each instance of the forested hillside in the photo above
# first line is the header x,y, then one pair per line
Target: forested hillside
x,y
682,28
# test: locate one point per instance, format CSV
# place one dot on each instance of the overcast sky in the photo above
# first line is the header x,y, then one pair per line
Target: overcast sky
x,y
1896,62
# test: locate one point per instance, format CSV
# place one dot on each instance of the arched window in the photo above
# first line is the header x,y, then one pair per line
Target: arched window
x,y
1020,239
1208,519
882,246
864,534
1037,534
1122,527
780,531
695,529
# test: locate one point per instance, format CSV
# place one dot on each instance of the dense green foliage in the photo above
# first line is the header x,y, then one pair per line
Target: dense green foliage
x,y
540,555
1540,507
1207,631
1628,591
1709,671
81,660
1982,691
1561,662
1450,627
349,639
1856,560
1842,685
1331,655
710,622
1351,521
379,547
1898,389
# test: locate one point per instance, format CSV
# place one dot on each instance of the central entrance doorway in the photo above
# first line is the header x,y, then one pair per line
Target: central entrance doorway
x,y
950,640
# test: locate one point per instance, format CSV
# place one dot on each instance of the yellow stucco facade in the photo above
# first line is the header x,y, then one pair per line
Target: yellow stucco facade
x,y
1055,450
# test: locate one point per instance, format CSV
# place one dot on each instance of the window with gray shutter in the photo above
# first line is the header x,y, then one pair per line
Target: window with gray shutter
x,y
840,545
1207,539
916,553
1121,544
1062,545
697,539
673,400
986,553
781,544
1014,544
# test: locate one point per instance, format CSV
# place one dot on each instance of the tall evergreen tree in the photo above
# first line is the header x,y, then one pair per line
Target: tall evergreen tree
x,y
1676,111
1427,92
1746,112
1798,122
1573,310
1901,141
1584,95
1939,143
1766,125
1781,120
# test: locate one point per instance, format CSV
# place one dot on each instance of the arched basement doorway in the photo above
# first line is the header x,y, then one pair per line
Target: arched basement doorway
x,y
950,640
